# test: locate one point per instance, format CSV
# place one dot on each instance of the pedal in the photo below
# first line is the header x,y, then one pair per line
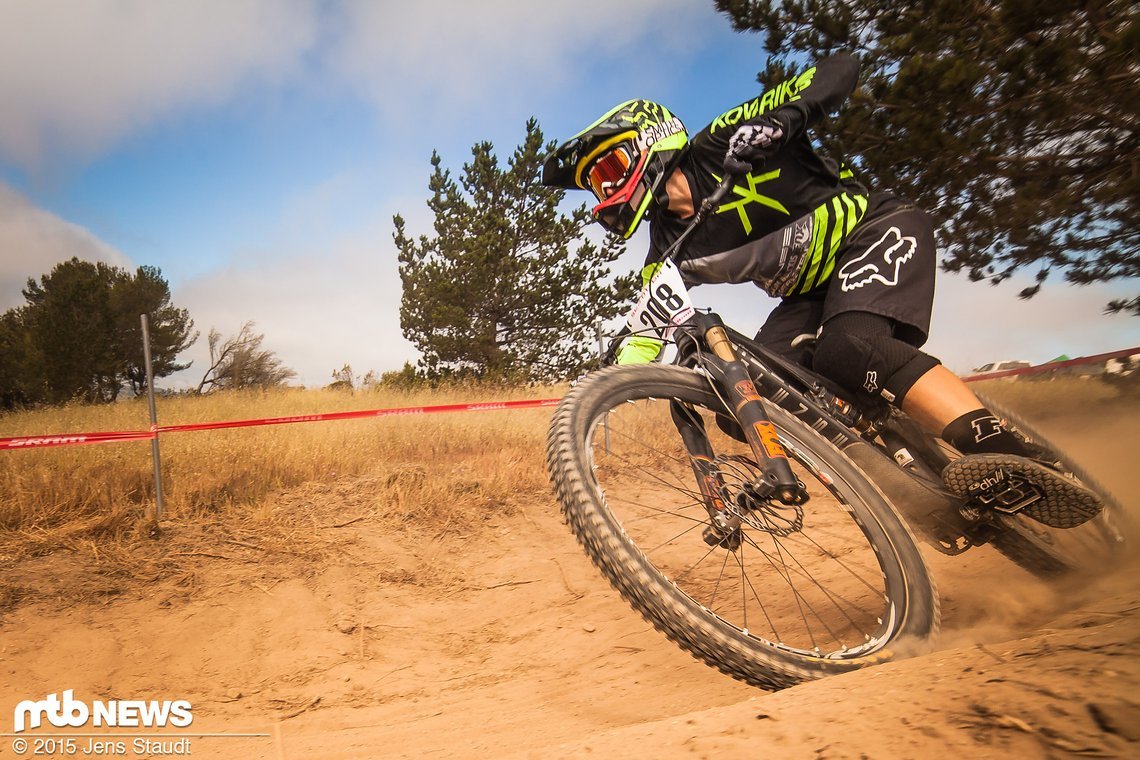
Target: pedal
x,y
956,533
950,543
1008,484
1004,492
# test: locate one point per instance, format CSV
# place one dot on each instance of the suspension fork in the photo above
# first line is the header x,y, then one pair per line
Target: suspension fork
x,y
723,522
692,429
746,406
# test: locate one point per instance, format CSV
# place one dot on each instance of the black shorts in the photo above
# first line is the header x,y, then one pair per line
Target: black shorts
x,y
886,267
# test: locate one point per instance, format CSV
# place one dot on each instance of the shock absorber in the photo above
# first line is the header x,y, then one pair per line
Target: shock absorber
x,y
759,431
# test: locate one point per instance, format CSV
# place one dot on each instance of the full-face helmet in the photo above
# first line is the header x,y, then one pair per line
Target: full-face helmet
x,y
623,158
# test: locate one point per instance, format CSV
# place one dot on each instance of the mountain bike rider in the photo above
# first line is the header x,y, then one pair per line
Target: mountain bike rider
x,y
853,267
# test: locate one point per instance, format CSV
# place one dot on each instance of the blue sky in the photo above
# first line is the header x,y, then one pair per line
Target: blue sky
x,y
256,150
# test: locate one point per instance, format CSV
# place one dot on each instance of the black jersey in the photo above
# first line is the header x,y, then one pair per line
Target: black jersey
x,y
782,224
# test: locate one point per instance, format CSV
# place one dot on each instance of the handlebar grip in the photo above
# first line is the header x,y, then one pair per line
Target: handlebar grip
x,y
703,210
721,190
716,196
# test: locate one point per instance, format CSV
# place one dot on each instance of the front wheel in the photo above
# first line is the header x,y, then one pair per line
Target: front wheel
x,y
788,594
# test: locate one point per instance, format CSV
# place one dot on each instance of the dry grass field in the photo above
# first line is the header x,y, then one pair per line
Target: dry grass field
x,y
440,469
100,489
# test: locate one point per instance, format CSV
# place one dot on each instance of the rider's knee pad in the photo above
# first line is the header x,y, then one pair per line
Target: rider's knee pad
x,y
872,367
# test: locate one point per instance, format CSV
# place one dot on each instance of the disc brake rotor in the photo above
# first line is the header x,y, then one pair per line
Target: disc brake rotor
x,y
759,513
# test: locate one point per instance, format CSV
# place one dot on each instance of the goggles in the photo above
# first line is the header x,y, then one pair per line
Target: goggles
x,y
620,210
610,171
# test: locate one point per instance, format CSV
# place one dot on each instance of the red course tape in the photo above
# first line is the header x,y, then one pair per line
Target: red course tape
x,y
75,439
72,439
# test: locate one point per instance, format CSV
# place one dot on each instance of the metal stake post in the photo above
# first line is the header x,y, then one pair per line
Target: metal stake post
x,y
158,496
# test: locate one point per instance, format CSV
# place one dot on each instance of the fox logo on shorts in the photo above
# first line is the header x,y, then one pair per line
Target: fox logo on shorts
x,y
879,263
872,383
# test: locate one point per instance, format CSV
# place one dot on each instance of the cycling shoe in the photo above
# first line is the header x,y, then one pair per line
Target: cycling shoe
x,y
1015,485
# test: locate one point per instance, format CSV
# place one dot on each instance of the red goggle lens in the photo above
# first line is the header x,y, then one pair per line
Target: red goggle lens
x,y
609,172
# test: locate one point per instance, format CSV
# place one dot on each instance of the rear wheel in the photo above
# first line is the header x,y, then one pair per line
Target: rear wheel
x,y
788,593
1094,546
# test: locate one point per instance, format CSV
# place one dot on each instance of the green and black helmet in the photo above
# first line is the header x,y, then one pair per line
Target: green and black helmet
x,y
623,158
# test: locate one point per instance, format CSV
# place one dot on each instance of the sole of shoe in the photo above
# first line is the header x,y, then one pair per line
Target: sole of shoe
x,y
1064,503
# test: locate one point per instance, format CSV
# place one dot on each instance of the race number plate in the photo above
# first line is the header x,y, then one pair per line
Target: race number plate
x,y
663,305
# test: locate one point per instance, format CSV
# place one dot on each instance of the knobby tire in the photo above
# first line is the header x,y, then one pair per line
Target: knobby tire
x,y
798,598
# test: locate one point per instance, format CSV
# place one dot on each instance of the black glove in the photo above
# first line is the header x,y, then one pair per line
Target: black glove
x,y
752,145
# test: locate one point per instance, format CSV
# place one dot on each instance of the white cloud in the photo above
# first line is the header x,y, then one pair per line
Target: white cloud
x,y
317,310
442,59
80,76
32,241
94,72
320,304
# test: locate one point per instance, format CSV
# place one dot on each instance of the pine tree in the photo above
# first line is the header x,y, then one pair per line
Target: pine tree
x,y
78,335
71,329
170,328
1016,122
507,288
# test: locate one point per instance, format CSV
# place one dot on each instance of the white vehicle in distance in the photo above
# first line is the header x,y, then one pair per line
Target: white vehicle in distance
x,y
1002,366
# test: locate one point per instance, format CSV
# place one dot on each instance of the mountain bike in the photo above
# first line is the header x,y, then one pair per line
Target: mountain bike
x,y
748,509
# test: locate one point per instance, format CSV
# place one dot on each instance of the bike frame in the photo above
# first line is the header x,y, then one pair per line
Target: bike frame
x,y
900,458
742,372
888,439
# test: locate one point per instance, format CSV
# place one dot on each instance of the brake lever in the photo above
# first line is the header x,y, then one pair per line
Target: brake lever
x,y
716,196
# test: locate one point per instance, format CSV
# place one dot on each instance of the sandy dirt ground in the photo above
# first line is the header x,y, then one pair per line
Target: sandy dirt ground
x,y
503,641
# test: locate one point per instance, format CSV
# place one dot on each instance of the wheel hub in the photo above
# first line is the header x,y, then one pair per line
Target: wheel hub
x,y
750,502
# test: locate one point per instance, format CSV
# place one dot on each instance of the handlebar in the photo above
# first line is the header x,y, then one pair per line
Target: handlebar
x,y
715,197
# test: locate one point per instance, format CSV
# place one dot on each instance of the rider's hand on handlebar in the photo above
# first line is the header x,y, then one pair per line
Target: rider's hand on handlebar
x,y
631,349
752,144
638,349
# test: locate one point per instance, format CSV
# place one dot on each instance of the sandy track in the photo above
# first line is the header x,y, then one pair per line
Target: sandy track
x,y
506,642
